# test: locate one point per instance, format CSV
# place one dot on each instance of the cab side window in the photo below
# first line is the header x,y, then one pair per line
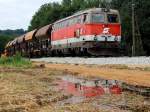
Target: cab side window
x,y
113,18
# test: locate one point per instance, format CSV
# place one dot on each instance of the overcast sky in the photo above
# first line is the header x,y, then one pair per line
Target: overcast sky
x,y
16,14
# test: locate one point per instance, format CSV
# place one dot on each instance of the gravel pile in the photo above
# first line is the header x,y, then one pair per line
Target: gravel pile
x,y
97,61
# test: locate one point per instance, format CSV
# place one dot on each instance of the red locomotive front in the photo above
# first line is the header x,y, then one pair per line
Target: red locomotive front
x,y
95,31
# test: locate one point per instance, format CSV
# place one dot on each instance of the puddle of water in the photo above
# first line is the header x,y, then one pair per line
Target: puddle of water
x,y
103,94
88,88
72,100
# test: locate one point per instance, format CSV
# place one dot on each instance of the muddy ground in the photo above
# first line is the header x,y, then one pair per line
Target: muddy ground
x,y
135,75
35,90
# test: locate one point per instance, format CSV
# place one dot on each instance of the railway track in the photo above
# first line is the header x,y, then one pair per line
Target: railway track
x,y
96,61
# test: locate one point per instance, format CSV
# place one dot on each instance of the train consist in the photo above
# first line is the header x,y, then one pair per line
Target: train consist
x,y
95,31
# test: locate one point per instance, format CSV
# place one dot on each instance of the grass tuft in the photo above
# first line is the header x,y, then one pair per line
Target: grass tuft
x,y
15,61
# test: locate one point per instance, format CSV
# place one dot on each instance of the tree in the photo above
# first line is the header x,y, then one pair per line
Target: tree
x,y
3,41
8,35
66,3
142,19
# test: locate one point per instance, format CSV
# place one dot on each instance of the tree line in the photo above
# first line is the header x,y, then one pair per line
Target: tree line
x,y
8,35
49,13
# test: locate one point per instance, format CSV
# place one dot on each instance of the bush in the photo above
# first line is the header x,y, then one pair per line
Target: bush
x,y
15,61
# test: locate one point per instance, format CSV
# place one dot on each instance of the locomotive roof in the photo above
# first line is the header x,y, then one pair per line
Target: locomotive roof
x,y
96,10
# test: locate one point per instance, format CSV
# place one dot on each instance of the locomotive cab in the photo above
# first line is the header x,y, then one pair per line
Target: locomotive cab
x,y
103,24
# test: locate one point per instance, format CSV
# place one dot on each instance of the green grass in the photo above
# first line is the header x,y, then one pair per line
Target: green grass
x,y
15,61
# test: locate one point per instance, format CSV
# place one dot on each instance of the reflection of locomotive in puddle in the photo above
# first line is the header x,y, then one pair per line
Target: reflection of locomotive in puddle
x,y
88,88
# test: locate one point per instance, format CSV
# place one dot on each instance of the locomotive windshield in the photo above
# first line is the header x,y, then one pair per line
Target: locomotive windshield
x,y
113,18
98,18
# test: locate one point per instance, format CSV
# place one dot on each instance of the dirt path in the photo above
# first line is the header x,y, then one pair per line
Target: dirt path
x,y
134,76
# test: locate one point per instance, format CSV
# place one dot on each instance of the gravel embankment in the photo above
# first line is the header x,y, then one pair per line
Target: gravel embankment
x,y
97,61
